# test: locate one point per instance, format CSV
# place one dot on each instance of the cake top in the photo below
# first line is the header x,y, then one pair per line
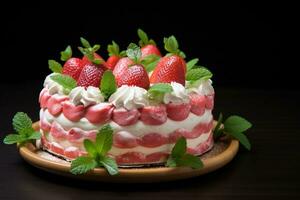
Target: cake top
x,y
136,77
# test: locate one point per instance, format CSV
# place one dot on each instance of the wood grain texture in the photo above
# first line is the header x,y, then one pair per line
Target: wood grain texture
x,y
269,171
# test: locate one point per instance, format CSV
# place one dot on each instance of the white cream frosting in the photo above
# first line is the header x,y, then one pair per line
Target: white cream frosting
x,y
53,87
129,97
203,87
89,96
178,95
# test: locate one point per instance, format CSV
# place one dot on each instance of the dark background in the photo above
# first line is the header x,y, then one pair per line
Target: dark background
x,y
240,42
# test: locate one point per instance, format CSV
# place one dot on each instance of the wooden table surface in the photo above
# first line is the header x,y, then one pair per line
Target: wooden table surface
x,y
269,171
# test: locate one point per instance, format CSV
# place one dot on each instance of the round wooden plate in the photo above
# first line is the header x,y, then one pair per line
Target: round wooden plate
x,y
221,154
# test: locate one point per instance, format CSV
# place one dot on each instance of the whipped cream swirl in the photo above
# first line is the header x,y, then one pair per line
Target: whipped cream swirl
x,y
89,96
129,97
178,95
52,86
203,87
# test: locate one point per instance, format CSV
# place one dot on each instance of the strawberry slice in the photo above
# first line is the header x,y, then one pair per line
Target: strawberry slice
x,y
210,101
74,134
100,113
156,157
71,152
154,115
57,131
56,148
198,103
54,104
153,140
72,112
178,112
125,117
124,139
131,158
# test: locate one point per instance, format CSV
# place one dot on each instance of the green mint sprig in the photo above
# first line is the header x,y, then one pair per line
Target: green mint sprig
x,y
108,84
144,40
67,82
150,62
191,64
66,54
134,53
198,74
114,50
96,154
157,91
23,126
171,45
89,51
234,126
179,157
55,66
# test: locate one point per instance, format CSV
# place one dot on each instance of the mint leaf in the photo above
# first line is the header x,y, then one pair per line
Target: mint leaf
x,y
150,62
34,136
198,74
189,161
171,162
179,157
171,45
242,139
14,138
191,64
90,148
217,131
108,84
55,66
110,165
134,52
85,43
66,54
21,122
67,82
179,149
96,47
236,124
82,165
113,49
104,139
158,90
143,37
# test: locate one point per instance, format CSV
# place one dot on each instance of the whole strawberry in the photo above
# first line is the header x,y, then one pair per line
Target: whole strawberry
x,y
148,47
172,67
114,55
133,74
93,67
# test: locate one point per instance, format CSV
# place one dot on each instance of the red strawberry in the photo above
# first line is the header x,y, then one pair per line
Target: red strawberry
x,y
72,67
169,69
114,55
85,60
91,75
148,46
135,75
121,67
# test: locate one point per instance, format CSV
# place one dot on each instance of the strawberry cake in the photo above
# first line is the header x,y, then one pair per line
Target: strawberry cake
x,y
149,99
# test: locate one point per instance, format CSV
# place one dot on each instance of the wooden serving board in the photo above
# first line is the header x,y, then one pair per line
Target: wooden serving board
x,y
221,154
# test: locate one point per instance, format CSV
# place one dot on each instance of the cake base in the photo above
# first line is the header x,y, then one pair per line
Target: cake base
x,y
222,153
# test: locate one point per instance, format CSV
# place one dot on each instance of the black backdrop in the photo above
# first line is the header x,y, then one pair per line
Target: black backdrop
x,y
239,42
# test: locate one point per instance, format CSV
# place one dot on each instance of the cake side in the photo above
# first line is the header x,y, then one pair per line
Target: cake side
x,y
143,132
